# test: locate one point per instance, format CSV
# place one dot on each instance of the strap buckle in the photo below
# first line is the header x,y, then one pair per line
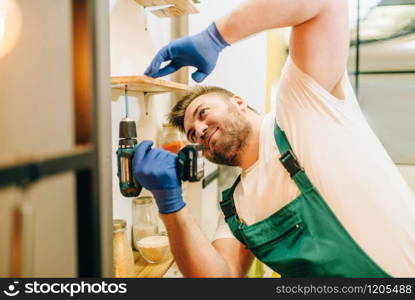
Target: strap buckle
x,y
228,209
290,163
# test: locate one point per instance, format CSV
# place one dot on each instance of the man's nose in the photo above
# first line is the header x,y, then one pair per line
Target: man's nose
x,y
200,132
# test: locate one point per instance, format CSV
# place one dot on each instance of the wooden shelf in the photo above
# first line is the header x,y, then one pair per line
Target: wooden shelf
x,y
179,8
147,84
145,269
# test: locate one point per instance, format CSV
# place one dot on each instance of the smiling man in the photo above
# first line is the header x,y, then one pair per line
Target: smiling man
x,y
213,119
318,194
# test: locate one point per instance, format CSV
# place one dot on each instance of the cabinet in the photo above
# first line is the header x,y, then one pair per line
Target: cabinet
x,y
54,174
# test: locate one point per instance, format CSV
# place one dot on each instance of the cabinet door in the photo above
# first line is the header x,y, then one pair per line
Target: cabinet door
x,y
36,119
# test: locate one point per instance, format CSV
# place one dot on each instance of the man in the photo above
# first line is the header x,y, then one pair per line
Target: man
x,y
318,195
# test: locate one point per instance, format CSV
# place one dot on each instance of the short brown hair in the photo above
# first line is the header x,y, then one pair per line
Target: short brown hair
x,y
176,116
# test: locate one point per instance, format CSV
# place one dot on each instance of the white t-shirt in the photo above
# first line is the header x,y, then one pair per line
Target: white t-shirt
x,y
343,159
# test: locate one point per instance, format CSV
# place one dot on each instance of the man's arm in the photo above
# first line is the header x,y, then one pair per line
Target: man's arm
x,y
239,258
196,256
319,40
156,170
320,35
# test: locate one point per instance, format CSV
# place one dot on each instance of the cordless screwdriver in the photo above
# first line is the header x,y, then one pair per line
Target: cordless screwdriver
x,y
190,162
129,187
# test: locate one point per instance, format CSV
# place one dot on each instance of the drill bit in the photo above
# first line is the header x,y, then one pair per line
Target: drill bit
x,y
126,101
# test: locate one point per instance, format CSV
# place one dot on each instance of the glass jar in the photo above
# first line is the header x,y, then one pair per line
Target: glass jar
x,y
145,222
172,140
123,264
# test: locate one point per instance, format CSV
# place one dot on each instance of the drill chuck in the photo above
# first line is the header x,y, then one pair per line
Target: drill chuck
x,y
128,129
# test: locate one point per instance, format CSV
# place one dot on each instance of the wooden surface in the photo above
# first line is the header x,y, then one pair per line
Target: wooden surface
x,y
147,84
145,269
180,8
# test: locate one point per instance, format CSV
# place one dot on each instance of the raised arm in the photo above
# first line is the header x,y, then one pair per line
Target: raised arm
x,y
320,32
319,40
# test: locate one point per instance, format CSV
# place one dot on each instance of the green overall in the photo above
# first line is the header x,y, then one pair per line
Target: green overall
x,y
304,238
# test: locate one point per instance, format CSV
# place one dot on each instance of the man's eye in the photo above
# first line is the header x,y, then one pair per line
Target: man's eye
x,y
202,112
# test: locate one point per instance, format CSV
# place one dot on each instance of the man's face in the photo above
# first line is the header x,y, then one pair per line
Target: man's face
x,y
219,125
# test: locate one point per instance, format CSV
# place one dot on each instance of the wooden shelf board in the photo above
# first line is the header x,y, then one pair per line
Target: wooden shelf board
x,y
180,8
145,269
147,84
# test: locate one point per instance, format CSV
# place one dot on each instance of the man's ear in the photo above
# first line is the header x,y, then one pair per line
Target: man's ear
x,y
239,102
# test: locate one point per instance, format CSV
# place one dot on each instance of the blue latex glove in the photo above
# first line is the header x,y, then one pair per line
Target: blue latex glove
x,y
200,51
156,170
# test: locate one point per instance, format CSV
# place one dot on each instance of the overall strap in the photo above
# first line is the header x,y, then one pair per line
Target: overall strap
x,y
227,205
290,161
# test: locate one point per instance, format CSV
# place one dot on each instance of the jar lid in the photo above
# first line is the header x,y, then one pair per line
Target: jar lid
x,y
118,224
143,200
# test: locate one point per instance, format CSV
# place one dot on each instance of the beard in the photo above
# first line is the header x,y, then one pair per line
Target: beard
x,y
227,148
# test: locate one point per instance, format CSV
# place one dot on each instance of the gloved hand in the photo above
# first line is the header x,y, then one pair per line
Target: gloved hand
x,y
200,51
156,170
